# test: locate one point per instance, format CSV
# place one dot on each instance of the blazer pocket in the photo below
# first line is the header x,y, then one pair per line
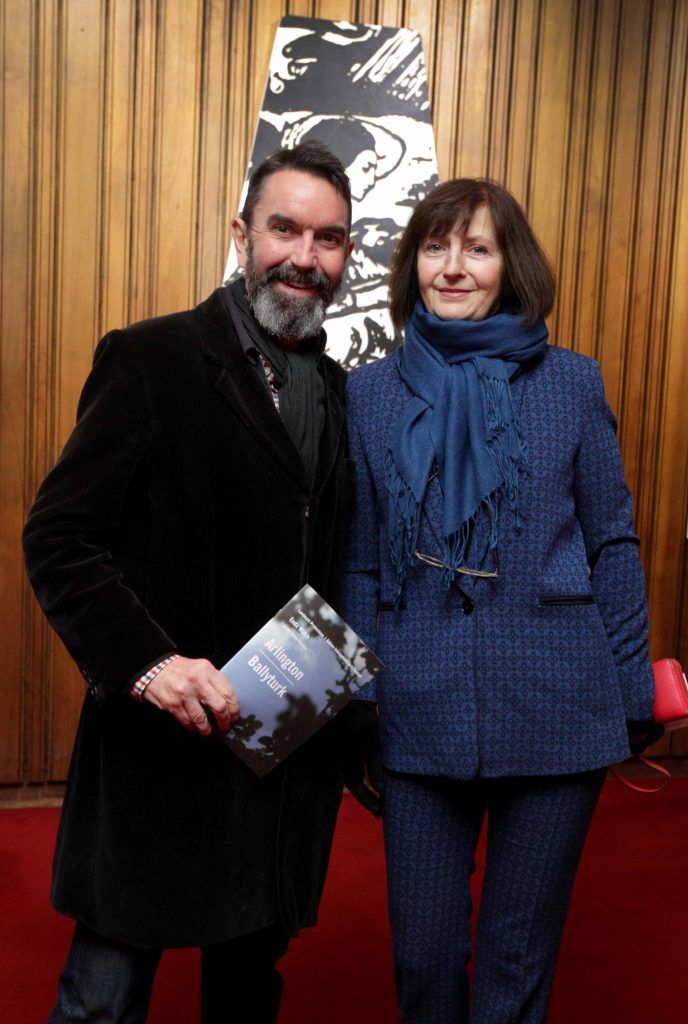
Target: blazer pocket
x,y
564,600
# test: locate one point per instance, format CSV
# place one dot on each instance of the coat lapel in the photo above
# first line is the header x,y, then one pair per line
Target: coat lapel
x,y
238,384
332,429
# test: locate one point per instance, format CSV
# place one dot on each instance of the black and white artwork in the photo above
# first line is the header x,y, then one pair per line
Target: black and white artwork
x,y
362,90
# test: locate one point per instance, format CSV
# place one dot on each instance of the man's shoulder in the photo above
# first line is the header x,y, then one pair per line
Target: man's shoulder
x,y
181,323
154,326
172,339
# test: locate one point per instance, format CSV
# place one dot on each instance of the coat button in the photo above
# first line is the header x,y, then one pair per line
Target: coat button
x,y
467,606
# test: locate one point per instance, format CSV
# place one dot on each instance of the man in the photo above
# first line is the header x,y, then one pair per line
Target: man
x,y
203,485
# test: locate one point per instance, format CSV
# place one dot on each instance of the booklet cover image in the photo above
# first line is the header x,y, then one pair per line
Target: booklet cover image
x,y
292,677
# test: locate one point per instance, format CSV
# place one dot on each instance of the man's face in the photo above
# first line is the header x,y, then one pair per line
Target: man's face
x,y
294,253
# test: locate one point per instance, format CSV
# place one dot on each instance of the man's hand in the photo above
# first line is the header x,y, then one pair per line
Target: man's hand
x,y
186,687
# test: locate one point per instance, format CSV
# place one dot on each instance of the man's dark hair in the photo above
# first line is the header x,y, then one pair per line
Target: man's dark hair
x,y
528,282
309,158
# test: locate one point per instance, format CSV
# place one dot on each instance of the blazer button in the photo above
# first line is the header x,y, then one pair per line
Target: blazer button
x,y
467,606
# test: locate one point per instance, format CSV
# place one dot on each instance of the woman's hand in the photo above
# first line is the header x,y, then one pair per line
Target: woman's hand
x,y
361,758
642,735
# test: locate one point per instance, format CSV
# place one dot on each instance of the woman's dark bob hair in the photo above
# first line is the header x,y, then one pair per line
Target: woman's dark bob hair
x,y
528,284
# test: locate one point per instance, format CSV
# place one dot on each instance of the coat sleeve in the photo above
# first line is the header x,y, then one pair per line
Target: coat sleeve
x,y
362,573
605,511
74,523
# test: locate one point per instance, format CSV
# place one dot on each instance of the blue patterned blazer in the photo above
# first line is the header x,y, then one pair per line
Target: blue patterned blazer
x,y
534,672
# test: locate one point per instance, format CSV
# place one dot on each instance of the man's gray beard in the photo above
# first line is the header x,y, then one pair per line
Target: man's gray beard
x,y
287,316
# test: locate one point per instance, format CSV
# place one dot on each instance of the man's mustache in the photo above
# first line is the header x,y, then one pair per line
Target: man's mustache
x,y
289,274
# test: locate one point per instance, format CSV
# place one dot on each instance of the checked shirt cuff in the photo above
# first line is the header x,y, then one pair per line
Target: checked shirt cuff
x,y
138,688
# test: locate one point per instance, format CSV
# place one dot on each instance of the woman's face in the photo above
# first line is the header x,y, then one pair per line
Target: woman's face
x,y
361,174
460,272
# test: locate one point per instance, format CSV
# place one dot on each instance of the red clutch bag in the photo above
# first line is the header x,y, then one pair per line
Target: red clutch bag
x,y
671,694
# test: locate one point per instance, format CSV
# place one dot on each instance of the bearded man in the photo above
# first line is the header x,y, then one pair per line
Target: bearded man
x,y
203,485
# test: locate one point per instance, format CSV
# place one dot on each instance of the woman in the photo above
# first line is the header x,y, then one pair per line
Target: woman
x,y
494,568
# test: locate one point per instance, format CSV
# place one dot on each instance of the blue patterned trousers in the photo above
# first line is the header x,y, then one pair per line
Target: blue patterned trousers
x,y
536,831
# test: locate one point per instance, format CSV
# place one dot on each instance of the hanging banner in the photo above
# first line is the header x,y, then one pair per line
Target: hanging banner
x,y
361,90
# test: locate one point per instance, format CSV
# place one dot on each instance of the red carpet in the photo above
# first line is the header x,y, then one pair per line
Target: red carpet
x,y
624,959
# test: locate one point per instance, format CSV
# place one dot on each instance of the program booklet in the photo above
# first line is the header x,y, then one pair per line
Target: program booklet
x,y
292,677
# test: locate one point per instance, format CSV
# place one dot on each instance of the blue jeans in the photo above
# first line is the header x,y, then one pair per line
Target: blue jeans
x,y
107,982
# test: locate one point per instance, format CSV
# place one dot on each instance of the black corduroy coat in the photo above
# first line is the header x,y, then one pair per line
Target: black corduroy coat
x,y
178,517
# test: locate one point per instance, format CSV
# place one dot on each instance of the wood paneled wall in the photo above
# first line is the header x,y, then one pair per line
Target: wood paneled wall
x,y
126,126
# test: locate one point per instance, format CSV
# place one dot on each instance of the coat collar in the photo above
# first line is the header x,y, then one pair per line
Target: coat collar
x,y
239,385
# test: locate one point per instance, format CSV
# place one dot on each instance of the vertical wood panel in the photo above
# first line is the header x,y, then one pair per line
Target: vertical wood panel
x,y
335,10
41,444
126,131
423,17
446,76
78,204
15,203
551,115
176,157
213,213
591,284
367,12
523,81
118,145
263,24
666,530
302,8
576,229
502,75
240,126
644,356
145,129
390,12
474,112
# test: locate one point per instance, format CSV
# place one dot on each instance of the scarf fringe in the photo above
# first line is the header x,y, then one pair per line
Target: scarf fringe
x,y
510,466
457,545
404,518
404,512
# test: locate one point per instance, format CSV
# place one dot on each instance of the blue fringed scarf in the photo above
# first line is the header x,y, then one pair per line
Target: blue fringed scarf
x,y
461,416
